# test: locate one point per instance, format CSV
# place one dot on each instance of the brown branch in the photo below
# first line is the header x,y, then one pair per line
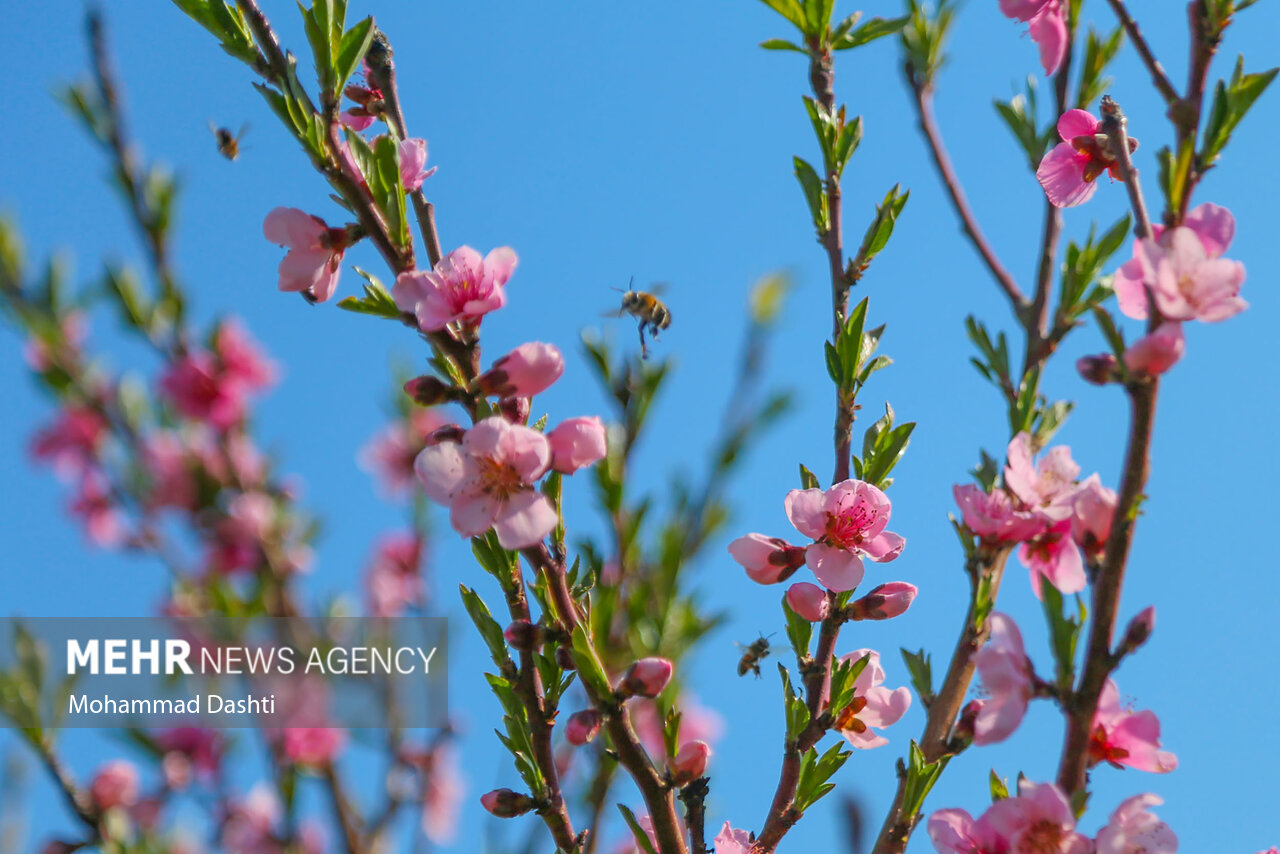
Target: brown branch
x,y
658,799
968,222
944,707
1100,661
1158,76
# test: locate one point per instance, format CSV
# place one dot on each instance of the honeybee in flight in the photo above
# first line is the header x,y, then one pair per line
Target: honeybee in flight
x,y
751,658
228,145
652,313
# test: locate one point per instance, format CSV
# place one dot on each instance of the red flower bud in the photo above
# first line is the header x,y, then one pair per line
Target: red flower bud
x,y
523,634
1099,370
690,762
809,601
505,803
515,409
1139,629
646,678
427,390
527,370
583,726
564,658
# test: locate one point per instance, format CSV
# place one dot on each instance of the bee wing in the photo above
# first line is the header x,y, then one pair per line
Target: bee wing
x,y
659,288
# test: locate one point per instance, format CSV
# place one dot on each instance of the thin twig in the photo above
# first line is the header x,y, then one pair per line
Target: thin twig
x,y
1158,76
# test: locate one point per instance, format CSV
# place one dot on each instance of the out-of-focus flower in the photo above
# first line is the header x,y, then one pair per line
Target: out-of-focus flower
x,y
1157,352
1186,282
1054,557
95,506
583,727
314,260
413,163
311,745
578,442
1215,228
1038,819
443,796
1069,172
115,785
1122,736
1047,25
697,723
731,841
250,822
1094,507
390,454
394,577
954,831
873,706
486,480
995,517
847,523
462,288
1048,486
1006,677
200,748
1134,829
72,442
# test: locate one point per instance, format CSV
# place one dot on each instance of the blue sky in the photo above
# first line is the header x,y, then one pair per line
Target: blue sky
x,y
655,140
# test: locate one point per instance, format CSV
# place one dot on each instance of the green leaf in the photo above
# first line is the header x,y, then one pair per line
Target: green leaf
x,y
999,788
642,838
355,43
815,772
814,193
488,627
781,44
808,480
920,667
590,670
1231,101
376,301
799,630
870,31
921,776
881,228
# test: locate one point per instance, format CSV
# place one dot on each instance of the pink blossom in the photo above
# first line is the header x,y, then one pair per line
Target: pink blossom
x,y
241,357
1006,678
995,517
809,601
847,522
200,747
1069,172
368,106
527,370
461,289
1133,829
115,785
872,706
413,163
314,259
767,560
1092,512
731,841
690,762
311,745
1048,486
1186,282
578,442
1038,821
1213,224
1157,352
486,480
248,826
394,577
1122,736
72,442
170,469
391,453
1053,556
1048,27
94,505
647,677
954,831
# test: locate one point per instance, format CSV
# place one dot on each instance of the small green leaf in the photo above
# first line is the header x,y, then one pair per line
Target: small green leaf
x,y
814,193
870,31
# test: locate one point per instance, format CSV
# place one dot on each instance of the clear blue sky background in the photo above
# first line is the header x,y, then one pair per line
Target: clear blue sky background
x,y
603,141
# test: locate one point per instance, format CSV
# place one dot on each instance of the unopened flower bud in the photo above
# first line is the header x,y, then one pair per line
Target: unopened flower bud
x,y
690,762
577,442
447,433
564,658
885,602
1099,369
505,803
962,732
646,678
1158,352
524,635
427,390
527,370
1139,629
515,409
583,726
809,601
767,560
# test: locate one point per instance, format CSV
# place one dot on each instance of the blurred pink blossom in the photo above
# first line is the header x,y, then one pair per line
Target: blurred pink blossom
x,y
1054,557
311,745
1038,820
954,831
1093,509
72,442
1122,736
393,579
1006,678
115,785
1158,351
1133,829
314,260
995,517
1047,26
873,706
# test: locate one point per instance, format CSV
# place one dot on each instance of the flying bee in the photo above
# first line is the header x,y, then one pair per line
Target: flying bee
x,y
652,313
753,654
228,145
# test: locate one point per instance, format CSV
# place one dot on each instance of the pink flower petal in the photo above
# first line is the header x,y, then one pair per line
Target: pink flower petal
x,y
837,569
1074,123
442,469
806,510
1061,174
524,519
884,547
1214,225
1049,31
